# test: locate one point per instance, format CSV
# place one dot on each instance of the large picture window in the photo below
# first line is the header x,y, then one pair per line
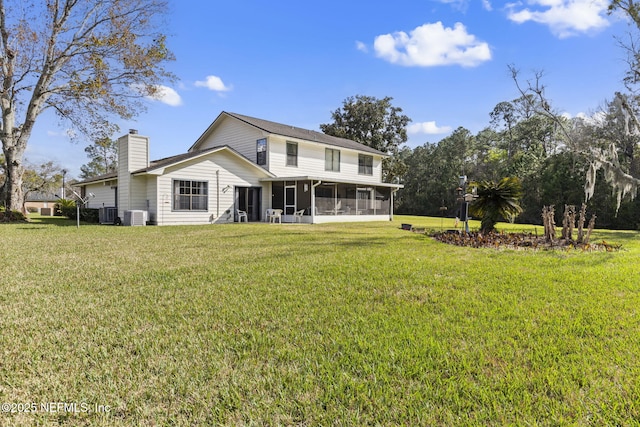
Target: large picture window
x,y
190,195
261,152
292,154
332,160
365,164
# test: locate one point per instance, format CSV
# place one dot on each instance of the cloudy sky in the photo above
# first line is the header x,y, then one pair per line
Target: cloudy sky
x,y
444,62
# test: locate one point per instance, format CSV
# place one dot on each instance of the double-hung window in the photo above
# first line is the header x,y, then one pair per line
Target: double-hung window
x,y
261,152
292,153
190,195
332,160
365,164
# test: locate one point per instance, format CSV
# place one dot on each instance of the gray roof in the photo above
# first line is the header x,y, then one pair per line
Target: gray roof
x,y
155,164
166,161
104,177
308,135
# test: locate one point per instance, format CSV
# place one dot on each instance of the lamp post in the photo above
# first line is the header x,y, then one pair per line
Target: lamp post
x,y
443,209
64,173
464,199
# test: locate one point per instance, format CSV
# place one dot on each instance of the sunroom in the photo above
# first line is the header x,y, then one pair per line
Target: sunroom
x,y
317,200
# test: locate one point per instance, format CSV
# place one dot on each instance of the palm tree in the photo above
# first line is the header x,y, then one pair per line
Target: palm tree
x,y
496,200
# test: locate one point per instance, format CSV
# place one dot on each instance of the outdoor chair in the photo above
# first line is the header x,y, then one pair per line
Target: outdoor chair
x,y
241,215
298,215
274,215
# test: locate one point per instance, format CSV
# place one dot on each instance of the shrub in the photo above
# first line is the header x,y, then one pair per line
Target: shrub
x,y
495,200
89,215
66,207
12,216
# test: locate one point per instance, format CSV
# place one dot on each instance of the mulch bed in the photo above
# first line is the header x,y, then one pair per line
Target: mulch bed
x,y
518,241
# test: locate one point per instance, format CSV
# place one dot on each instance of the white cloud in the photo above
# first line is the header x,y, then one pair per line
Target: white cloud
x,y
431,45
564,18
486,4
429,128
461,5
167,95
361,47
214,83
164,94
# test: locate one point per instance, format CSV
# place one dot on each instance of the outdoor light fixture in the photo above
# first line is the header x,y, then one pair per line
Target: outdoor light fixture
x,y
464,200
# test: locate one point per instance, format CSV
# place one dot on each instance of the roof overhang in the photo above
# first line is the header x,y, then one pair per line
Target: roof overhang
x,y
160,170
320,180
96,180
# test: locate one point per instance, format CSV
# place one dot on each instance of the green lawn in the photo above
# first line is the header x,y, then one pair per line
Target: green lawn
x,y
345,324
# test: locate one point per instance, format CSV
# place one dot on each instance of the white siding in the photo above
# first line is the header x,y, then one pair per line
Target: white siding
x,y
222,171
311,161
152,199
133,154
237,135
242,138
105,196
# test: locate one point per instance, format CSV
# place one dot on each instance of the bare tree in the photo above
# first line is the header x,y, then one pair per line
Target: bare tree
x,y
601,152
87,60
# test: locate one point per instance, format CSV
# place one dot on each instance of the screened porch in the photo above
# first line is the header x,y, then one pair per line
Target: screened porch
x,y
315,201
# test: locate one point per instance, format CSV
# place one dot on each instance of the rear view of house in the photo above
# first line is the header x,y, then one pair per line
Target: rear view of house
x,y
243,168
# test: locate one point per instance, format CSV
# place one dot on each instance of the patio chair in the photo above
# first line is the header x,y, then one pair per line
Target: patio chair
x,y
241,215
298,215
275,216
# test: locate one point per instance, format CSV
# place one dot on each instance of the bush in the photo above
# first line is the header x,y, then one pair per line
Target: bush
x,y
66,207
32,209
89,215
69,209
12,216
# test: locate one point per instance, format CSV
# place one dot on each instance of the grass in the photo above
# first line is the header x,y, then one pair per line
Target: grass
x,y
335,324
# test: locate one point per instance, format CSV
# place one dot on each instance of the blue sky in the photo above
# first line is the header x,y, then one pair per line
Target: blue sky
x,y
444,62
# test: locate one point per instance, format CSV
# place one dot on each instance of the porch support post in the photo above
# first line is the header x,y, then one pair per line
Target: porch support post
x,y
391,200
313,201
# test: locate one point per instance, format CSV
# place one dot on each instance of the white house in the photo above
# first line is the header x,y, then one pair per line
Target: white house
x,y
247,165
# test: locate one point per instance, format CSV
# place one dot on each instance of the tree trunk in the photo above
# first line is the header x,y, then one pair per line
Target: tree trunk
x,y
13,191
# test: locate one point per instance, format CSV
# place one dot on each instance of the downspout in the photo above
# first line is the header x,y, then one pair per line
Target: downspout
x,y
217,194
313,201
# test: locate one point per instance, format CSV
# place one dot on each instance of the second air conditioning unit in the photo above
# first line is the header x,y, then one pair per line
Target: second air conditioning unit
x,y
135,217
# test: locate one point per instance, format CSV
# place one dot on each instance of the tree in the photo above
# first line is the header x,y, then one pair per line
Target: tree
x,y
433,172
579,137
85,60
104,158
375,123
42,178
495,200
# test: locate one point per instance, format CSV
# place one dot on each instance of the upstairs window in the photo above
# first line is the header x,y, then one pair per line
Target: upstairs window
x,y
261,152
190,195
365,164
292,154
332,160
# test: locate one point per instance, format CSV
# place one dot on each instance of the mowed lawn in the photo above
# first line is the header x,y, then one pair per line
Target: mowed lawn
x,y
350,324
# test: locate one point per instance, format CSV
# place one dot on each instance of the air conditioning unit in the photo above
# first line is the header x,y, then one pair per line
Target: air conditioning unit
x,y
107,215
135,217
